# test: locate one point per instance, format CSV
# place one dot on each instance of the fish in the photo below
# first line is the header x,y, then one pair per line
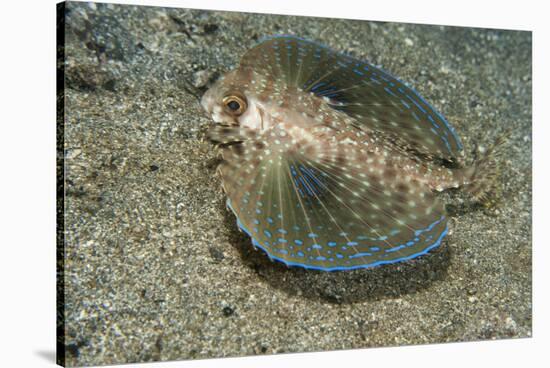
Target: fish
x,y
330,163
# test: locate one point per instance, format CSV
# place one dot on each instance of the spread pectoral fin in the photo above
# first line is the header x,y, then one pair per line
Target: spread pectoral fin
x,y
328,208
374,98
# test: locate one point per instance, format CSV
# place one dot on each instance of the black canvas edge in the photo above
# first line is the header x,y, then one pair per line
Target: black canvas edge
x,y
60,183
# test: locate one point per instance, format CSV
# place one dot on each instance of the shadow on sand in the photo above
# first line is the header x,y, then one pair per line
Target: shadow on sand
x,y
388,281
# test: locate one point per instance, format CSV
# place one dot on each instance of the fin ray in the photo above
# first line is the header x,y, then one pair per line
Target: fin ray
x,y
321,208
377,100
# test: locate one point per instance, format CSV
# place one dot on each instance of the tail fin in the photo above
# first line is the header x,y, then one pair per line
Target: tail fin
x,y
484,173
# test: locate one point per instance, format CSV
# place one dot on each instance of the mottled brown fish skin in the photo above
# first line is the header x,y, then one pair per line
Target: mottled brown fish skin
x,y
307,116
339,178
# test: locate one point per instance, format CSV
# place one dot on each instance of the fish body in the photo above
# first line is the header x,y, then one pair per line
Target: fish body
x,y
328,162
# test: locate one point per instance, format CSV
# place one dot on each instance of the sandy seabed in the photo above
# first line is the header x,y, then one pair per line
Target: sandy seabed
x,y
154,266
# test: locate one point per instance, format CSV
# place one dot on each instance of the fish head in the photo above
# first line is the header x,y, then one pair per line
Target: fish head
x,y
231,101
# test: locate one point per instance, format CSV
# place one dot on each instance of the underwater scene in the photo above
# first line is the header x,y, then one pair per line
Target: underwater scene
x,y
239,184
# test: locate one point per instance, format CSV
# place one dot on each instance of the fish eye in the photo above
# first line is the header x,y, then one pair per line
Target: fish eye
x,y
235,104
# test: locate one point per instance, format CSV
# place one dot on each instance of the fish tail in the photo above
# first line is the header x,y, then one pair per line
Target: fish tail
x,y
481,177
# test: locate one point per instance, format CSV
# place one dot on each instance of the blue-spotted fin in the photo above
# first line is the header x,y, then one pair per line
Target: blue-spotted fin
x,y
330,163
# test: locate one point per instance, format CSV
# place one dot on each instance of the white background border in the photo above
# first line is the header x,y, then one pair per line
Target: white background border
x,y
27,179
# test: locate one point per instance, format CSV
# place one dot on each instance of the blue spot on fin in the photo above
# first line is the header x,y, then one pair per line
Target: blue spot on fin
x,y
349,81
